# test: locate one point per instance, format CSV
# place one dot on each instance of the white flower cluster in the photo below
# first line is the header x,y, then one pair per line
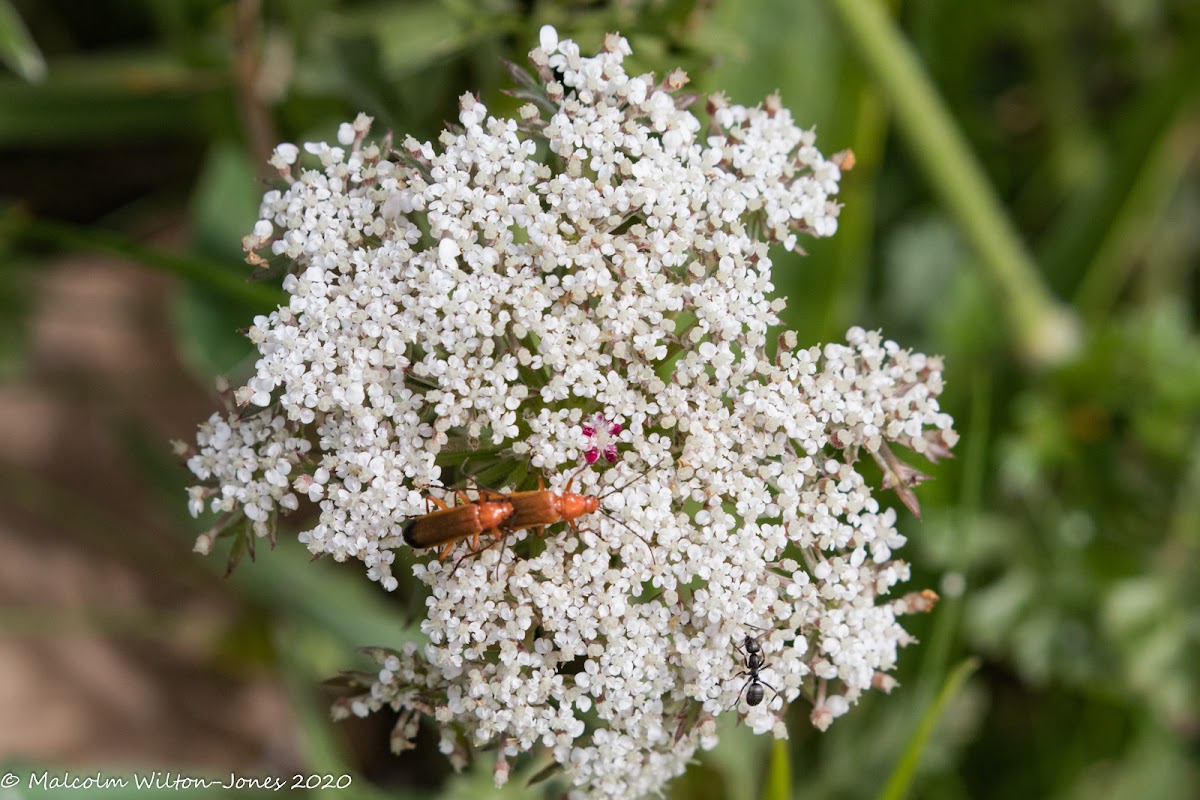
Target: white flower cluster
x,y
249,458
499,299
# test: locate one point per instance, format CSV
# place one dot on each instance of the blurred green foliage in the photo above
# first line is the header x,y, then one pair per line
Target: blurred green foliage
x,y
1061,184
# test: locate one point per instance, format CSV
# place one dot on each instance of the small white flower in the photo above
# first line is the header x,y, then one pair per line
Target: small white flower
x,y
285,155
448,252
548,39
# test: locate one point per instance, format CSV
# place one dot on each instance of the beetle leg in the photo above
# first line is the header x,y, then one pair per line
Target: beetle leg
x,y
478,549
574,475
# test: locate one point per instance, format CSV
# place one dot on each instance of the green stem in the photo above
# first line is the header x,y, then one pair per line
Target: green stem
x,y
1046,331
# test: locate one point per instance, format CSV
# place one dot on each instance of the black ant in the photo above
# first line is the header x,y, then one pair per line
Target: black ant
x,y
753,687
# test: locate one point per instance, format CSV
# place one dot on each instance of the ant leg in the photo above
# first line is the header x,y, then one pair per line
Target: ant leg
x,y
741,691
772,688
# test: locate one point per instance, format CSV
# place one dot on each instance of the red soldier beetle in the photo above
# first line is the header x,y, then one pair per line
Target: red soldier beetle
x,y
451,524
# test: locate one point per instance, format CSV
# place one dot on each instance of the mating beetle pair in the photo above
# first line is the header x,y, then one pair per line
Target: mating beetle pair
x,y
497,514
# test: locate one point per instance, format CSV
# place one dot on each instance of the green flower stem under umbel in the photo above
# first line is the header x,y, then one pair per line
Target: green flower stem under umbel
x,y
1046,331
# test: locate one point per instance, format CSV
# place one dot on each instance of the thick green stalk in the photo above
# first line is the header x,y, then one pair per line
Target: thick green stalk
x,y
1045,330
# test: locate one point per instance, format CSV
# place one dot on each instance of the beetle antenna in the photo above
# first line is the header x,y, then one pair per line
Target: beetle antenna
x,y
633,480
649,549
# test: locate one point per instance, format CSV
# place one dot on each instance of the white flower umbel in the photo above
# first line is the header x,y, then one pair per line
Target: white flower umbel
x,y
482,311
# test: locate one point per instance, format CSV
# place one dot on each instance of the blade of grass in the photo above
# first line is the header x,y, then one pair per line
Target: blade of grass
x,y
856,222
778,785
900,781
213,275
1145,157
1046,331
1131,226
946,625
410,36
50,622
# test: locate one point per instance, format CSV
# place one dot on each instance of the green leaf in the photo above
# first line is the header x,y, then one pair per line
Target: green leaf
x,y
224,209
209,333
109,98
409,36
225,204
